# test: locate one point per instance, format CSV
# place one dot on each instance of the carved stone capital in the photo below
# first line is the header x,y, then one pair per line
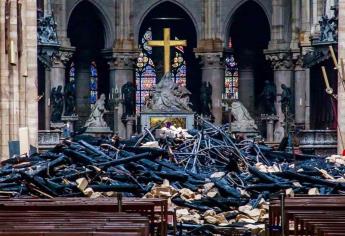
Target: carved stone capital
x,y
214,59
298,62
54,55
280,60
120,59
62,56
123,61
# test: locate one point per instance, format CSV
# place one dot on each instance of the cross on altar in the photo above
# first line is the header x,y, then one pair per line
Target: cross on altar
x,y
167,43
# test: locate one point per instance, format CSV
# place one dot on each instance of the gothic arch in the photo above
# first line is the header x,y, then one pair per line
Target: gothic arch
x,y
104,17
143,15
232,12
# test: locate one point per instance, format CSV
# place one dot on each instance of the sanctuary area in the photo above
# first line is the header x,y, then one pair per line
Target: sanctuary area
x,y
172,117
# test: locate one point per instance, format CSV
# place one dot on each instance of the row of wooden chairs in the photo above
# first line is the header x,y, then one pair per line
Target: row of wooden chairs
x,y
155,210
65,223
307,215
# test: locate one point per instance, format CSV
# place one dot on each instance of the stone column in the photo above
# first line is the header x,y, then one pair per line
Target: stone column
x,y
341,91
247,81
123,54
283,74
213,72
305,22
307,100
295,22
212,21
300,92
270,130
121,71
59,8
82,81
57,73
129,126
47,91
279,24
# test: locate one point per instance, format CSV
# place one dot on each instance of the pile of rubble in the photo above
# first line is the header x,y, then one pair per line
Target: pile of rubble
x,y
215,181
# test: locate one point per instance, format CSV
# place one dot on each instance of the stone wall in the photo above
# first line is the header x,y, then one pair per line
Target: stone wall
x,y
341,92
18,71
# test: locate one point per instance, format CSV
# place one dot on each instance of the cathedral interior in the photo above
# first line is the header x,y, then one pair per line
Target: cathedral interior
x,y
236,46
239,88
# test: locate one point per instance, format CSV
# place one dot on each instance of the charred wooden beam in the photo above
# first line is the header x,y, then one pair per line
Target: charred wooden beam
x,y
125,160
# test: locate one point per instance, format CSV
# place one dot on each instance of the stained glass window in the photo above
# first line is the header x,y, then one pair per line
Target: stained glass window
x,y
93,84
145,71
179,69
231,77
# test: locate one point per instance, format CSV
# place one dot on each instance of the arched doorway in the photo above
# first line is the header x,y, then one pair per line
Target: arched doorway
x,y
249,35
87,33
170,15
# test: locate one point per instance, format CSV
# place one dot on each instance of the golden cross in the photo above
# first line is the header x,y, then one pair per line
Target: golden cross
x,y
167,43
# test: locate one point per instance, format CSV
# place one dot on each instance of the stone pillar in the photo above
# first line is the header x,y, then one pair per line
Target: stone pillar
x,y
212,22
82,81
270,130
283,74
280,24
59,9
247,81
295,22
47,91
341,91
18,73
246,89
307,100
57,73
317,12
213,72
130,121
123,54
300,93
121,71
304,35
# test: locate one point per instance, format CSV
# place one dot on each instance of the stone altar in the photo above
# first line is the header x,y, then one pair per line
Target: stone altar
x,y
320,142
169,104
181,119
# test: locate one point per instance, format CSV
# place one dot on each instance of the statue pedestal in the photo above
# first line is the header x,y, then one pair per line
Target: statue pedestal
x,y
270,120
245,129
98,131
48,139
181,119
70,121
57,126
245,133
130,121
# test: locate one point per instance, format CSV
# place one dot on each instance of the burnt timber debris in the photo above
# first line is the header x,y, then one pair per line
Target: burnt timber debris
x,y
216,182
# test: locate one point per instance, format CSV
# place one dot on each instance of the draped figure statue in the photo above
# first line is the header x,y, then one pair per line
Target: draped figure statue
x,y
96,117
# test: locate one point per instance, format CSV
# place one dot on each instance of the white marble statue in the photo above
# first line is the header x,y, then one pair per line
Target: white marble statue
x,y
243,120
169,96
96,117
